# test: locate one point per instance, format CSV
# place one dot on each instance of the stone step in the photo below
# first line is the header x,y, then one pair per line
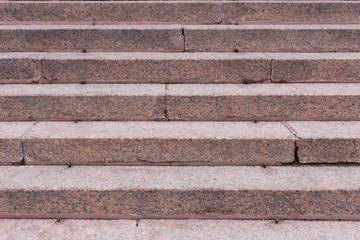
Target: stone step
x,y
195,102
108,12
69,229
313,193
38,38
185,12
242,38
327,142
134,143
144,67
47,102
273,38
179,143
325,101
275,12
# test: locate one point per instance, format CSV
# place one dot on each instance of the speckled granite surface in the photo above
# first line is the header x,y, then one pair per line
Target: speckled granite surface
x,y
112,12
276,102
273,38
136,67
82,102
159,142
292,12
237,192
328,142
86,38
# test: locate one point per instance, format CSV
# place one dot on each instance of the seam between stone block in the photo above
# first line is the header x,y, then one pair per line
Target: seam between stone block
x,y
291,129
22,142
296,148
136,228
165,103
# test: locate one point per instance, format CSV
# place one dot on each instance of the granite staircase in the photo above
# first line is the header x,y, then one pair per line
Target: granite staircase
x,y
179,119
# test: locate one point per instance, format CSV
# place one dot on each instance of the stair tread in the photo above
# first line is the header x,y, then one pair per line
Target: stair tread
x,y
236,230
30,229
313,89
182,55
193,130
305,178
70,229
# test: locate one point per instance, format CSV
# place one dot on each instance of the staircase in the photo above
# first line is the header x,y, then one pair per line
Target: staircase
x,y
179,120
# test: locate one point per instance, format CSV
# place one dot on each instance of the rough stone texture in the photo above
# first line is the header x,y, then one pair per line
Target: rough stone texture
x,y
292,12
10,141
17,68
119,12
328,142
205,192
263,102
38,38
82,102
29,229
239,230
134,67
159,142
307,38
315,67
157,67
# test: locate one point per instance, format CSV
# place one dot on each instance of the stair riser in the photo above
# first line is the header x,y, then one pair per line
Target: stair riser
x,y
88,40
202,203
156,150
272,40
171,39
180,12
113,13
316,70
134,71
67,108
331,150
291,12
267,108
187,108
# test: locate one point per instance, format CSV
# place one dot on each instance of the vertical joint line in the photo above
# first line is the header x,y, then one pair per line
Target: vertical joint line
x,y
271,70
296,154
296,149
183,35
166,110
223,12
136,228
22,162
41,69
